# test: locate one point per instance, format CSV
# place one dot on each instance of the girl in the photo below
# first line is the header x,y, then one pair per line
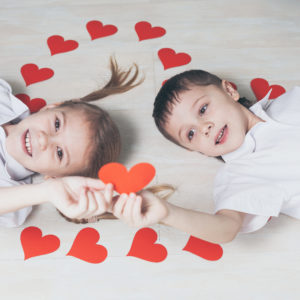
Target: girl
x,y
259,145
69,138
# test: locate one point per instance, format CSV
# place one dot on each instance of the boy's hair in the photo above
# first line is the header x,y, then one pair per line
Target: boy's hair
x,y
169,92
105,141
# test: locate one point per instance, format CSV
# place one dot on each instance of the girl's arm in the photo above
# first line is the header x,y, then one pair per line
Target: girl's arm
x,y
76,197
148,209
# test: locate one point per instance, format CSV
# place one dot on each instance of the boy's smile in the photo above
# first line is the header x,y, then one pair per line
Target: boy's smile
x,y
209,119
53,142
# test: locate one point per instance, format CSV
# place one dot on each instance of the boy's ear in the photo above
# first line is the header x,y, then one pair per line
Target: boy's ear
x,y
48,177
230,90
50,106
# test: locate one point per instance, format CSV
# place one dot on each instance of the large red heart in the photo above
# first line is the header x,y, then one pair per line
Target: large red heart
x,y
261,87
171,59
144,247
97,30
57,44
145,31
32,74
34,244
204,249
85,246
127,182
34,105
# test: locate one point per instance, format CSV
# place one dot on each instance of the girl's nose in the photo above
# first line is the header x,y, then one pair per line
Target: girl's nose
x,y
43,140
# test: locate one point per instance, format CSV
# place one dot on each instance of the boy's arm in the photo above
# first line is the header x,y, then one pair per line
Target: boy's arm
x,y
219,228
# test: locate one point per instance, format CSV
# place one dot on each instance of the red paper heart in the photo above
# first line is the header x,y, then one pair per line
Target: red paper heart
x,y
34,244
204,249
57,44
32,74
127,182
34,105
144,247
145,31
85,246
261,87
171,59
97,30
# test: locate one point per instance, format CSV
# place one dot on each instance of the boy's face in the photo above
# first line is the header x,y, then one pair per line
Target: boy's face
x,y
52,142
208,119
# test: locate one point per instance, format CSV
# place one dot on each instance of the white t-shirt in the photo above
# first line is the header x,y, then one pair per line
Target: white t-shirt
x,y
262,177
12,173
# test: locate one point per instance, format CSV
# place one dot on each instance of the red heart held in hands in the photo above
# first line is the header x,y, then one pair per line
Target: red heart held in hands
x,y
127,182
145,31
204,249
171,59
97,30
261,87
144,247
57,44
34,105
34,244
32,74
85,246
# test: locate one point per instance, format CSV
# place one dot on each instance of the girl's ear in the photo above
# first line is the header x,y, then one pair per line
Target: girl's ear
x,y
230,90
51,106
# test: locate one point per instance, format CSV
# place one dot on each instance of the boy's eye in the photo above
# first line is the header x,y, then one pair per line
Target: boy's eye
x,y
191,134
203,109
59,153
57,124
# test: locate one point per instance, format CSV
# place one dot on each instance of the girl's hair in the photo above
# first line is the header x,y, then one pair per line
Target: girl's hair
x,y
163,191
169,92
105,141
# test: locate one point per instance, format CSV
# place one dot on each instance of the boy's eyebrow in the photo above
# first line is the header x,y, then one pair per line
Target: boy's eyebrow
x,y
64,118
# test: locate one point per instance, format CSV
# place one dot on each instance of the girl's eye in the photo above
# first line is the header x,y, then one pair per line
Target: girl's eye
x,y
191,134
57,124
59,153
203,109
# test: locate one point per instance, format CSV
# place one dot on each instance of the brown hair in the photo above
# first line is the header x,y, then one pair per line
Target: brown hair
x,y
163,191
105,141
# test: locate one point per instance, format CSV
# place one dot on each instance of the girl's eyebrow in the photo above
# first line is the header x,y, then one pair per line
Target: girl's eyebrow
x,y
64,124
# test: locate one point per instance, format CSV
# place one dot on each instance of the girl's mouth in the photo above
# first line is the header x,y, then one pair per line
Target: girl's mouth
x,y
26,142
222,135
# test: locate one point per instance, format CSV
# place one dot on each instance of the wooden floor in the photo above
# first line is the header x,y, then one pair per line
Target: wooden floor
x,y
237,40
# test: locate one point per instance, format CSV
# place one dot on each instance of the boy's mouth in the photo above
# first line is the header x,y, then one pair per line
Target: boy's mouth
x,y
221,136
26,142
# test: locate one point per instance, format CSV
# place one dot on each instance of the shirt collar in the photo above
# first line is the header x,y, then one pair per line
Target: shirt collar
x,y
248,146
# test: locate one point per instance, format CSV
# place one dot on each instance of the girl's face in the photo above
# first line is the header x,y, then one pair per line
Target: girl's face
x,y
208,119
53,142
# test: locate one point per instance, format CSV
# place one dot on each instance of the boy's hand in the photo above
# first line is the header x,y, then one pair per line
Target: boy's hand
x,y
140,210
80,197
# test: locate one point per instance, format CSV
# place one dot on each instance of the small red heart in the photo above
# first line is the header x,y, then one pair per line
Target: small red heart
x,y
261,87
97,30
57,44
145,31
32,74
204,249
34,244
127,182
34,105
144,247
85,246
171,59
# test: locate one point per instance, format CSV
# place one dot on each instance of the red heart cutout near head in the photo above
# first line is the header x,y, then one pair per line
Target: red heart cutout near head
x,y
57,44
145,31
34,105
85,246
35,245
32,74
144,247
171,59
261,87
127,182
97,30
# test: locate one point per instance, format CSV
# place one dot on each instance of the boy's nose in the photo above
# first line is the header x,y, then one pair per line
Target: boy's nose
x,y
206,128
43,140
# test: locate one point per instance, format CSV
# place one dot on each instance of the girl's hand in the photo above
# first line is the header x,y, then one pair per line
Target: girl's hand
x,y
79,197
140,210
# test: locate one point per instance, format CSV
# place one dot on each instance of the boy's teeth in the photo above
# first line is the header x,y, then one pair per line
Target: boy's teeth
x,y
27,143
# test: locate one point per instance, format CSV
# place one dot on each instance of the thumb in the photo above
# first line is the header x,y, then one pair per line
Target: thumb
x,y
93,183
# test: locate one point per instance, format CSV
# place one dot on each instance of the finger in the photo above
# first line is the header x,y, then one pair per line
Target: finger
x,y
92,205
137,212
102,205
93,183
77,209
119,206
108,193
127,211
